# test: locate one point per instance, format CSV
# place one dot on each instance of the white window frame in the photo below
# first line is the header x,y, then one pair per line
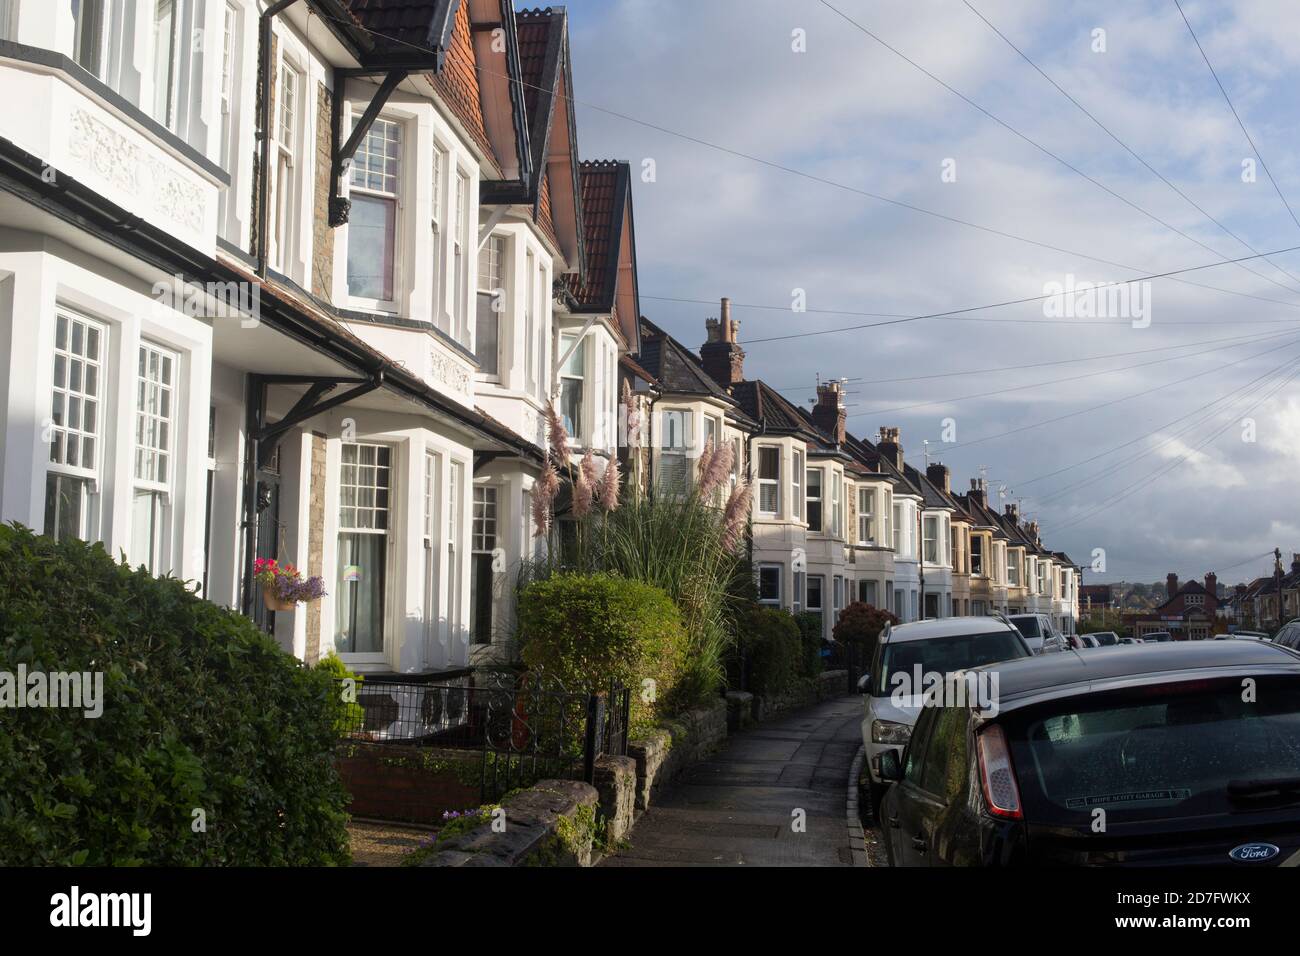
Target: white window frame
x,y
496,252
156,441
774,484
819,497
779,573
797,499
821,593
485,496
61,398
462,244
389,533
380,193
531,339
866,516
578,434
166,92
837,504
430,541
230,32
284,181
99,65
676,431
441,161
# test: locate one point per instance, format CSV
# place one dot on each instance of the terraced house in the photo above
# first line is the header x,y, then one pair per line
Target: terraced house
x,y
297,280
838,518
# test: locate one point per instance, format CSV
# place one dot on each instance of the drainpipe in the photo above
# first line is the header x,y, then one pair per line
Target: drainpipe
x,y
264,127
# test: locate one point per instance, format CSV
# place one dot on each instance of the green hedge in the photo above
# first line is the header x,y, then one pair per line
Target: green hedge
x,y
770,647
213,748
588,630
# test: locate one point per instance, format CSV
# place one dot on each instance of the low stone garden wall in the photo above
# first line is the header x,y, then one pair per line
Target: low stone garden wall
x,y
745,709
664,753
554,823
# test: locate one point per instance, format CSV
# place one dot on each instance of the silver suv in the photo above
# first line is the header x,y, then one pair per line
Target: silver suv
x,y
1039,632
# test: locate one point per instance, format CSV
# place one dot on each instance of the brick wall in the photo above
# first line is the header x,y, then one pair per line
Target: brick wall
x,y
408,784
322,247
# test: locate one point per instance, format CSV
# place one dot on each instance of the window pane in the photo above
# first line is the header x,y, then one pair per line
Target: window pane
x,y
571,406
487,330
372,227
362,560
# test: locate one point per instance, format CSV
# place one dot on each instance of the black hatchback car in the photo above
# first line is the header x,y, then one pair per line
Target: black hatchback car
x,y
1177,755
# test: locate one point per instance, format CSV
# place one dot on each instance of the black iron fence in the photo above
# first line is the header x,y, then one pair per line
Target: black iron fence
x,y
527,726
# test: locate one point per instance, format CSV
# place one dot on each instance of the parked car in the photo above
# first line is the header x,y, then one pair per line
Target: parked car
x,y
1157,637
1161,740
1039,632
925,647
1128,640
1104,638
1088,641
1289,636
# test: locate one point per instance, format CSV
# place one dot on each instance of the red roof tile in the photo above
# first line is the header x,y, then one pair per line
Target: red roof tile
x,y
602,224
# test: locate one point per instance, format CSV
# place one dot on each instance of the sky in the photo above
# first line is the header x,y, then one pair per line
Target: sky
x,y
761,131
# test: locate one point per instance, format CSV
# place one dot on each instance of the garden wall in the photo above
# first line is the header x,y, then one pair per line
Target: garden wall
x,y
408,784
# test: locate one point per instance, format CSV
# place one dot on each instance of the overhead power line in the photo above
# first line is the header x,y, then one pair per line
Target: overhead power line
x,y
803,174
1125,146
1237,116
1039,146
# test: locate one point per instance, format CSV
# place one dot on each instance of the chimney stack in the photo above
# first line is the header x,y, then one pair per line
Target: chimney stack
x,y
1012,511
723,358
829,414
1171,584
1212,584
977,490
1033,531
940,477
1295,561
890,446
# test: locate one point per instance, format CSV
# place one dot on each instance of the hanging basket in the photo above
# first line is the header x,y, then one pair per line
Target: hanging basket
x,y
273,603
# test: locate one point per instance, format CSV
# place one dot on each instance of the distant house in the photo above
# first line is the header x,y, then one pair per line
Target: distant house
x,y
1188,612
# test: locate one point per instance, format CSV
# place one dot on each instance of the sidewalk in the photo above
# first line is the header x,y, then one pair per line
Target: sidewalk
x,y
737,808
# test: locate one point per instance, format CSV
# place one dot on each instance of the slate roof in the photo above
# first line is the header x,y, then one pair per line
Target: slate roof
x,y
765,404
678,370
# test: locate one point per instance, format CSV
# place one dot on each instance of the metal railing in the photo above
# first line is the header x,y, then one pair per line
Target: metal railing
x,y
527,726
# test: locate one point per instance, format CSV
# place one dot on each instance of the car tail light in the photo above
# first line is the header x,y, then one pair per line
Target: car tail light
x,y
997,775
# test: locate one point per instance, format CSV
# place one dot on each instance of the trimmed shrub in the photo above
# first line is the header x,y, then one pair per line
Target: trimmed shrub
x,y
588,630
861,624
810,631
770,648
200,712
349,714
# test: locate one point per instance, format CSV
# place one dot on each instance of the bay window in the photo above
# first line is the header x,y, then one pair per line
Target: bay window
x,y
372,222
898,529
867,593
769,479
571,387
154,443
365,487
491,303
814,499
284,149
1013,569
76,428
483,545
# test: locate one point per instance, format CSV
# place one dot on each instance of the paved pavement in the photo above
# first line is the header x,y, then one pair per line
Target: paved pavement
x,y
738,808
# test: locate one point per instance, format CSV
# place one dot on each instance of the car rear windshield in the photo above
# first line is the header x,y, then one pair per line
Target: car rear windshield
x,y
944,655
1153,752
1028,626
